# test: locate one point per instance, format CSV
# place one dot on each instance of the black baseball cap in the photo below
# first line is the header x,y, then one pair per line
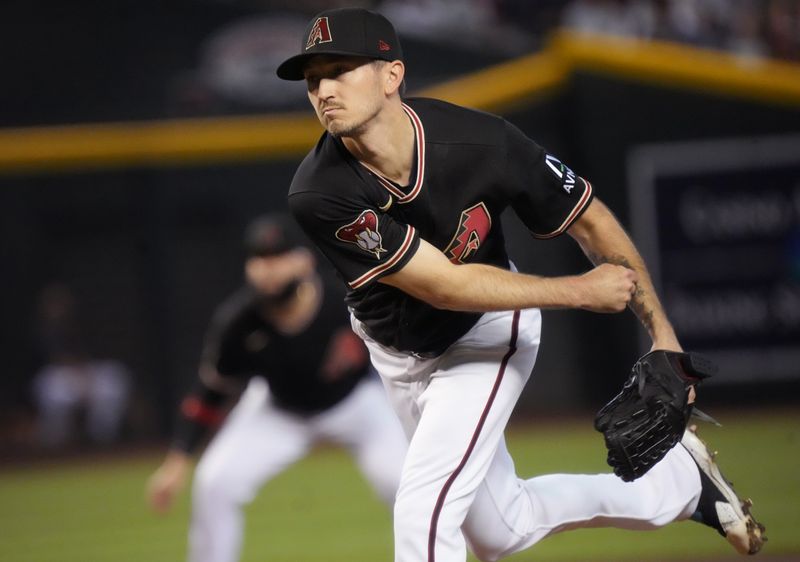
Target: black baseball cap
x,y
270,235
344,31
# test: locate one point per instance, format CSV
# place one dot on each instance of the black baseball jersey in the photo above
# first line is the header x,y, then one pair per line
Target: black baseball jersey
x,y
307,372
300,367
469,167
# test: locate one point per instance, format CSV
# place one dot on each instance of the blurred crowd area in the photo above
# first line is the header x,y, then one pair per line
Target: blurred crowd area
x,y
442,39
151,59
763,28
766,28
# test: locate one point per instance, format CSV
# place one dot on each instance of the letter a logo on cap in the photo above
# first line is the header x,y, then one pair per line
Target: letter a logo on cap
x,y
320,33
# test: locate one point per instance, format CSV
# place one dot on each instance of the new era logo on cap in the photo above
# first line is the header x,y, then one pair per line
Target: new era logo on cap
x,y
320,33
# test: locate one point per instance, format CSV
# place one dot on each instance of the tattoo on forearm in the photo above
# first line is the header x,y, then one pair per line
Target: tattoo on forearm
x,y
616,259
645,315
637,303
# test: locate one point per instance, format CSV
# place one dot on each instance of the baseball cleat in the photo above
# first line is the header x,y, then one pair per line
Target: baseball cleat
x,y
719,506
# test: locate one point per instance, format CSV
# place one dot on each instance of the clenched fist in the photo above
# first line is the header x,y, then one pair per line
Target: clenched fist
x,y
607,288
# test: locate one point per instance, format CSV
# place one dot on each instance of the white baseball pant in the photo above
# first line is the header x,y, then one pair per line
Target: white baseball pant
x,y
459,486
258,441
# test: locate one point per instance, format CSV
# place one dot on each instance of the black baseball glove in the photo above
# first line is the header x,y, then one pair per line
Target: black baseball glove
x,y
644,421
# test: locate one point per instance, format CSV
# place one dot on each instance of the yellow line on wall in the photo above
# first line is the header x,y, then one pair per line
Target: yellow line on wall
x,y
681,66
71,147
505,84
230,139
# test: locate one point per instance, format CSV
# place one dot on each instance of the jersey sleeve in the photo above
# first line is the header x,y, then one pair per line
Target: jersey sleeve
x,y
362,242
223,348
547,195
205,407
201,411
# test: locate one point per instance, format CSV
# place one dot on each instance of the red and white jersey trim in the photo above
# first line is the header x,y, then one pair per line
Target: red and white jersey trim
x,y
419,132
398,255
585,197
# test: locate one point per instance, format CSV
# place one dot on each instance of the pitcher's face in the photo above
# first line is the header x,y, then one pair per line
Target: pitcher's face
x,y
346,92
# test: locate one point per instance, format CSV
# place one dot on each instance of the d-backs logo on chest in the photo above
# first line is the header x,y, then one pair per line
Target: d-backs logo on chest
x,y
473,228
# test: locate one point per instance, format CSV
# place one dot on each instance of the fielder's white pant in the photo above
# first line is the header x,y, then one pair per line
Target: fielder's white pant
x,y
258,441
459,484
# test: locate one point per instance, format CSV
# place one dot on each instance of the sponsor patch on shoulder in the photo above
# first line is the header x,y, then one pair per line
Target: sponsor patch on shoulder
x,y
561,171
363,232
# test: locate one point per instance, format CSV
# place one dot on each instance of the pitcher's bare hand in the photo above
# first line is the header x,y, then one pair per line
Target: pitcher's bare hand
x,y
608,288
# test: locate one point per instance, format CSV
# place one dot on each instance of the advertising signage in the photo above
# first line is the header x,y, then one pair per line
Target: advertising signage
x,y
719,225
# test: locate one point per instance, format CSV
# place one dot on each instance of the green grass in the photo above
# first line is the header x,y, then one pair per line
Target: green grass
x,y
93,510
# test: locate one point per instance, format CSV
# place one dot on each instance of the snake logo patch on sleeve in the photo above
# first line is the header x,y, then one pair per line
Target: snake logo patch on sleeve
x,y
364,233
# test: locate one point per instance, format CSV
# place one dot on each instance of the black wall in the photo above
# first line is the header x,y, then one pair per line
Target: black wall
x,y
150,251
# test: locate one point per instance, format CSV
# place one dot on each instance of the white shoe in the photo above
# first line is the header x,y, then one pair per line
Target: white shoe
x,y
719,506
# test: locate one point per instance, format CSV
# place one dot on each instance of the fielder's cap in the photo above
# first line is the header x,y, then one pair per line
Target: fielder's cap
x,y
344,31
270,235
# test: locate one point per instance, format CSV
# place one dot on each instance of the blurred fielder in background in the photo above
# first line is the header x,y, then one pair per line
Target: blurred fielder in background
x,y
404,197
287,335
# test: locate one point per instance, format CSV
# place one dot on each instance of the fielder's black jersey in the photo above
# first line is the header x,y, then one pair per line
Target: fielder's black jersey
x,y
469,167
307,372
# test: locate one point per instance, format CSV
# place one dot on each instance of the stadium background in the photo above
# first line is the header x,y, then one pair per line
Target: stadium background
x,y
137,139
